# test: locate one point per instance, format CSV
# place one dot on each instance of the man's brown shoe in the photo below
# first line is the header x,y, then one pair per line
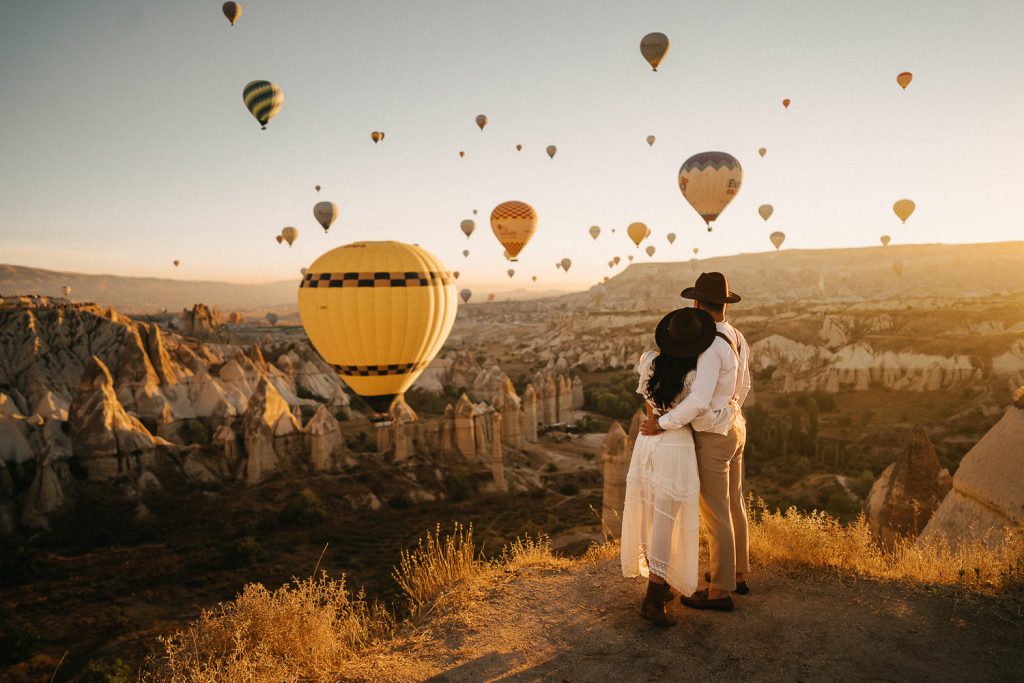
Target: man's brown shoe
x,y
741,586
700,600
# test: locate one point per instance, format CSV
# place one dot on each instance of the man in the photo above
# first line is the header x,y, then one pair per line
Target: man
x,y
712,408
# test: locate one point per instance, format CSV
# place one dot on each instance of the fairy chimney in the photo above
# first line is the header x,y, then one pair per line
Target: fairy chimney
x,y
497,466
323,439
447,445
465,433
529,414
508,403
577,393
615,462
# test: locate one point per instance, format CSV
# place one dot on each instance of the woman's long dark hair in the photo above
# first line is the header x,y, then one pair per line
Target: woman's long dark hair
x,y
667,375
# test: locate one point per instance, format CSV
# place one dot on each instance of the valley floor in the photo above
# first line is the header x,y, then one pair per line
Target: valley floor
x,y
549,623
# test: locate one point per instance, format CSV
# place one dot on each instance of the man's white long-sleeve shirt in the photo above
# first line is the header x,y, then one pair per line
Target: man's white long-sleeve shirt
x,y
721,378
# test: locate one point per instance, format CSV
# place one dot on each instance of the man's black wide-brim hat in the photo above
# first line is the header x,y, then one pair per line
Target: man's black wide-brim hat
x,y
713,288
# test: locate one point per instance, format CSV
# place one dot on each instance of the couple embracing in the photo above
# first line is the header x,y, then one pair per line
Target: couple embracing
x,y
688,458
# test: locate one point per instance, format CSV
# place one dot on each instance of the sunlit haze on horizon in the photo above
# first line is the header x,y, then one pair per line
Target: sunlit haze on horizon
x,y
126,145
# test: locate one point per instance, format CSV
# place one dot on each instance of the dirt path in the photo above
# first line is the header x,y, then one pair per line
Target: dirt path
x,y
542,624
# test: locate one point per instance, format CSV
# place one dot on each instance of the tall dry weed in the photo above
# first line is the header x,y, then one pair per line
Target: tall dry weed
x,y
435,565
818,540
302,631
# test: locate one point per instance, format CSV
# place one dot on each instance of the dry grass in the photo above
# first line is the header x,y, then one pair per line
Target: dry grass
x,y
817,540
310,629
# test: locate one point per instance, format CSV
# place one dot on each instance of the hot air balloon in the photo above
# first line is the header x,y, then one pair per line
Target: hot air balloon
x,y
279,238
490,297
519,148
177,263
654,47
630,257
511,272
474,212
465,252
777,239
884,239
638,232
611,264
785,103
302,271
762,151
468,226
234,318
897,267
671,237
551,150
272,317
325,213
709,181
290,234
650,141
650,250
594,231
696,250
465,294
66,290
903,208
317,188
380,334
904,79
376,136
232,10
566,264
513,224
263,99
616,260
766,211
481,121
534,278
456,274
462,154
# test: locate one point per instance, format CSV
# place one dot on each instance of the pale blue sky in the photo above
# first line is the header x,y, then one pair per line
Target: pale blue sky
x,y
124,142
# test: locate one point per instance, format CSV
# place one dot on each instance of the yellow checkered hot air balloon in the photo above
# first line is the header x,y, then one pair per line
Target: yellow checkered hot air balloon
x,y
263,99
513,224
709,181
378,312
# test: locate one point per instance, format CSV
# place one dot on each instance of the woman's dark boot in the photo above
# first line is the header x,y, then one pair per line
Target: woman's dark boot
x,y
654,605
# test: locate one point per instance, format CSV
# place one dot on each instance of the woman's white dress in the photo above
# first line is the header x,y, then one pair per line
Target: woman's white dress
x,y
661,516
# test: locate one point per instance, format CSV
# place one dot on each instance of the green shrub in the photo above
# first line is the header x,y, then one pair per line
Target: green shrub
x,y
303,509
242,552
117,671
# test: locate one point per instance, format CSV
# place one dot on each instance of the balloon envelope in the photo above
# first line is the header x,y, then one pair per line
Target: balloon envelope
x,y
785,103
386,319
272,318
566,264
654,47
232,10
511,272
465,294
884,239
263,99
594,231
766,211
904,79
650,250
177,263
762,151
709,181
325,213
903,208
551,150
519,148
481,121
671,237
777,239
279,238
468,226
638,232
465,252
290,234
317,188
513,223
650,141
376,136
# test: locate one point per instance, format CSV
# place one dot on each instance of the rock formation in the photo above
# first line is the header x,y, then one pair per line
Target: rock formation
x,y
529,404
105,438
267,422
497,456
988,488
615,456
202,323
465,432
508,404
908,492
323,440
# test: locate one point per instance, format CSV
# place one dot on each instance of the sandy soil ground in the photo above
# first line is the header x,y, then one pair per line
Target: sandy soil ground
x,y
544,624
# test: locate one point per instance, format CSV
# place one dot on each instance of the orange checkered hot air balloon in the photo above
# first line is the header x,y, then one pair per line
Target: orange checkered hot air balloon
x,y
513,224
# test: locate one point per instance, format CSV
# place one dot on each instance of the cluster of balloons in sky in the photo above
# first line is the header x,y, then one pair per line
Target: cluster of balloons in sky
x,y
398,301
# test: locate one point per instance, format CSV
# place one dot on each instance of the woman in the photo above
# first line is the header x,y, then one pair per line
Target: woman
x,y
661,518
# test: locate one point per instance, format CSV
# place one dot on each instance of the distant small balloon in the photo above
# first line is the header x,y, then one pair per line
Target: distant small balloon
x,y
534,278
234,318
466,294
762,151
474,212
594,231
654,47
177,263
468,226
551,150
650,250
325,213
777,238
785,103
462,154
279,238
377,136
272,318
232,10
465,252
630,257
456,274
490,297
566,264
481,121
671,237
696,250
884,239
317,188
650,141
766,211
616,260
903,208
302,271
519,148
290,234
904,79
638,232
511,272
